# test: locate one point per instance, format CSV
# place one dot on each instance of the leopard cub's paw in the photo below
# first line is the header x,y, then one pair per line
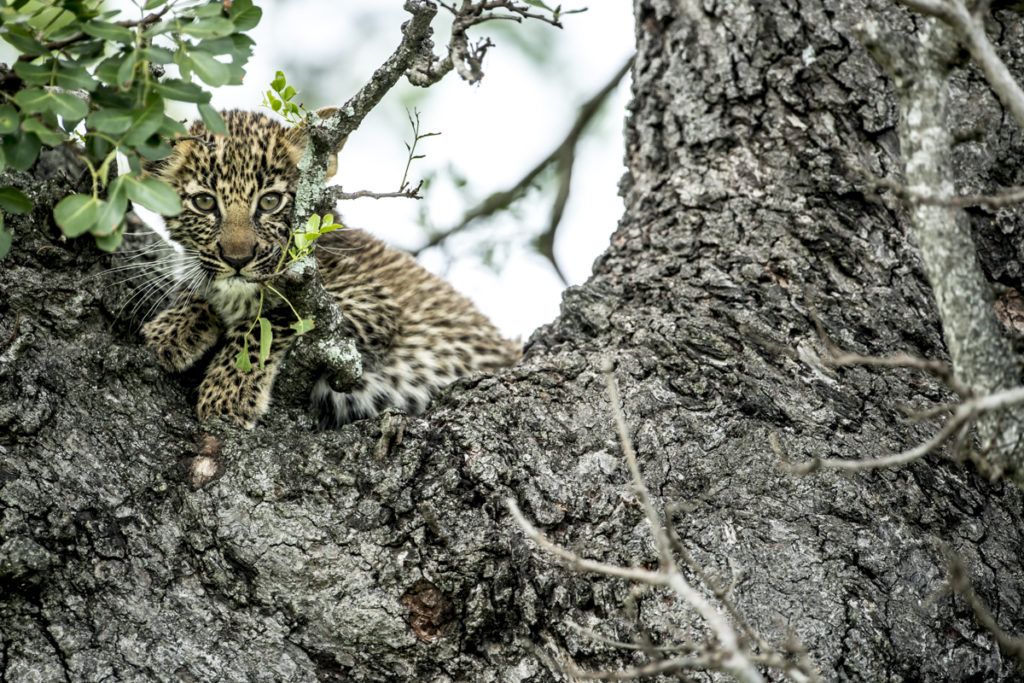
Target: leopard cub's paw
x,y
178,343
160,339
240,398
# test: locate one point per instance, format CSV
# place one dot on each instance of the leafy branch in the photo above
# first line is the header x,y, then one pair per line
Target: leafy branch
x,y
298,248
83,76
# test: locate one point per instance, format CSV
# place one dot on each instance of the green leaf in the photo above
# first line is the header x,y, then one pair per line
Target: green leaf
x,y
214,9
48,136
157,55
159,28
172,128
154,148
75,77
303,240
9,120
76,214
21,151
313,223
111,214
211,27
213,120
5,239
209,69
266,337
111,242
303,325
12,200
153,194
108,68
279,81
126,72
288,93
21,37
183,91
35,74
109,31
146,123
242,361
33,100
111,121
244,16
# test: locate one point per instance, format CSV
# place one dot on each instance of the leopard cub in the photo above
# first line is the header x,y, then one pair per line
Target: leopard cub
x,y
415,333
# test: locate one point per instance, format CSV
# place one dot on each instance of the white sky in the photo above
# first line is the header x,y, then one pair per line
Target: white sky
x,y
492,133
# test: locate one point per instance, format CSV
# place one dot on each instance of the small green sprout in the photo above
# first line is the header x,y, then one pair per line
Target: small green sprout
x,y
299,246
279,99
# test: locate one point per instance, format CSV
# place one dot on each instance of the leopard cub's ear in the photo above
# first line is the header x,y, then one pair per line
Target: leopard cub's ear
x,y
296,135
181,148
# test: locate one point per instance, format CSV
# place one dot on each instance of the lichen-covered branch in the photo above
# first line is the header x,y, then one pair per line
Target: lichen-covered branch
x,y
969,27
466,57
981,354
325,346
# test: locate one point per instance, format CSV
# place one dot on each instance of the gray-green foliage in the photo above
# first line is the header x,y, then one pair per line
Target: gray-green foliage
x,y
102,81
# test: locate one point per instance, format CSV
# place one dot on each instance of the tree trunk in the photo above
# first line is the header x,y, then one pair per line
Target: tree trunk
x,y
317,555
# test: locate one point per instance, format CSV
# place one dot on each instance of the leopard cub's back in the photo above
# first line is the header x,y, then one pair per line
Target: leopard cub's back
x,y
417,333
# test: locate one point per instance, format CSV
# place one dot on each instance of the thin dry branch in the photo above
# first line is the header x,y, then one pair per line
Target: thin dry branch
x,y
1005,197
563,157
964,416
728,651
466,57
839,357
409,193
960,583
970,29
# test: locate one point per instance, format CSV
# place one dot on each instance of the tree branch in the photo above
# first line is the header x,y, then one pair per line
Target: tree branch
x,y
981,355
969,28
563,156
326,346
960,582
729,652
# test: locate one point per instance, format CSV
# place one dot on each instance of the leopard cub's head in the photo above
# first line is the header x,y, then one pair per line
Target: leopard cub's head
x,y
237,191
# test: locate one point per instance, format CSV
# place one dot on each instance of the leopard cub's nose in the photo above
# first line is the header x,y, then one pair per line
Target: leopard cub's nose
x,y
237,260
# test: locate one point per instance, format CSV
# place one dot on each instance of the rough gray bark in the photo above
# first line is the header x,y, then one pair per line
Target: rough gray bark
x,y
311,558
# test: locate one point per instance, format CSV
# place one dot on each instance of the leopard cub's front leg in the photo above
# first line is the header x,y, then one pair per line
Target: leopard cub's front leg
x,y
181,335
243,396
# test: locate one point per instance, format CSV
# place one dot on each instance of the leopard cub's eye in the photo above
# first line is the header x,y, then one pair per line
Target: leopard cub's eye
x,y
204,202
270,201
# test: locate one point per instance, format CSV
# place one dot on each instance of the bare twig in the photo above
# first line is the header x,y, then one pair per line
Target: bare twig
x,y
839,357
1006,197
728,651
970,29
414,121
465,57
965,415
960,583
408,193
687,648
563,157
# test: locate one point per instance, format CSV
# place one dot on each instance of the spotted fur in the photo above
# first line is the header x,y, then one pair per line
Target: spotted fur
x,y
415,332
